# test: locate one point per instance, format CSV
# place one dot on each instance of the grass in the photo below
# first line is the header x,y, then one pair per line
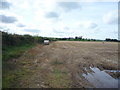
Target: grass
x,y
56,62
11,72
12,78
59,78
58,71
14,52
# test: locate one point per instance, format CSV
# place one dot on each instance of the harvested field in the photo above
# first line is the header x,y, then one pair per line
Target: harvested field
x,y
62,64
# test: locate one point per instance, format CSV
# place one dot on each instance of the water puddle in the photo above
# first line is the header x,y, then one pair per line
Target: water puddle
x,y
114,71
101,79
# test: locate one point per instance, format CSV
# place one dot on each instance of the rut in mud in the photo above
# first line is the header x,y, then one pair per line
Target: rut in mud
x,y
62,63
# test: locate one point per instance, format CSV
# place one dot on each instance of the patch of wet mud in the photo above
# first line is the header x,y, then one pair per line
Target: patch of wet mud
x,y
101,79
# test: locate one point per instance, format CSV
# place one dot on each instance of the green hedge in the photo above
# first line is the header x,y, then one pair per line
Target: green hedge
x,y
11,40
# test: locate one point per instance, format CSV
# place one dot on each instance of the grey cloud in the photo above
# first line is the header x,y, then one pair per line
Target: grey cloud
x,y
20,25
32,30
1,27
4,4
93,25
69,5
115,32
52,15
7,19
113,21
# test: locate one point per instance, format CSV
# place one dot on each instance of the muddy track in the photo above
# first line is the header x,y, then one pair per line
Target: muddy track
x,y
61,64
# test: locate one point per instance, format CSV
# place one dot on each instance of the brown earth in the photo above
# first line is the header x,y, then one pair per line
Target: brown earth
x,y
61,64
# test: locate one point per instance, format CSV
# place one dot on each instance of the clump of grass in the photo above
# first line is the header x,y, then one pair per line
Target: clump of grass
x,y
28,55
57,62
59,79
58,74
58,71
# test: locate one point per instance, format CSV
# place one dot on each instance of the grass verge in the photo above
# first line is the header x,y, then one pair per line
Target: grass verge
x,y
14,52
10,70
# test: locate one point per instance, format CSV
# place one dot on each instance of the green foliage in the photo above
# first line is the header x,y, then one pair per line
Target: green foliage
x,y
13,45
9,40
14,52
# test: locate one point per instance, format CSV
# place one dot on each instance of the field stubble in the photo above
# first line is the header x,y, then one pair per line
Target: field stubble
x,y
61,64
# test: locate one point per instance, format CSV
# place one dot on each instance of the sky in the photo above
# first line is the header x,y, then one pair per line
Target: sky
x,y
96,19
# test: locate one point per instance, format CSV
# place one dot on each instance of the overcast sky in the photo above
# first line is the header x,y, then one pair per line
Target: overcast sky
x,y
48,18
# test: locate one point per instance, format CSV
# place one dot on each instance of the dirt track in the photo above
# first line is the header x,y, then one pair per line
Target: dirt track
x,y
62,63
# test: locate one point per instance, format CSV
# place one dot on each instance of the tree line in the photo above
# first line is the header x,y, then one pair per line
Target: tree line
x,y
80,38
112,40
77,38
9,39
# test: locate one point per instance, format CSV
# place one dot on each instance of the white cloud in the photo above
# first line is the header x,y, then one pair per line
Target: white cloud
x,y
45,10
88,0
111,18
44,4
39,15
25,5
87,24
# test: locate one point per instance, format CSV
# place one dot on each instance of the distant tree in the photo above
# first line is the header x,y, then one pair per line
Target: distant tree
x,y
113,40
76,37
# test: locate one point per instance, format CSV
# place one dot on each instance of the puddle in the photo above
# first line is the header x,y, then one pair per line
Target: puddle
x,y
114,71
101,79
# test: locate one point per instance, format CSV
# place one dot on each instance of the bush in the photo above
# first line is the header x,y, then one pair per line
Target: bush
x,y
12,40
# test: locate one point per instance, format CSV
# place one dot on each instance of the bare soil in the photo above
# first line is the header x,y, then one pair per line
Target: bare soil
x,y
61,64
